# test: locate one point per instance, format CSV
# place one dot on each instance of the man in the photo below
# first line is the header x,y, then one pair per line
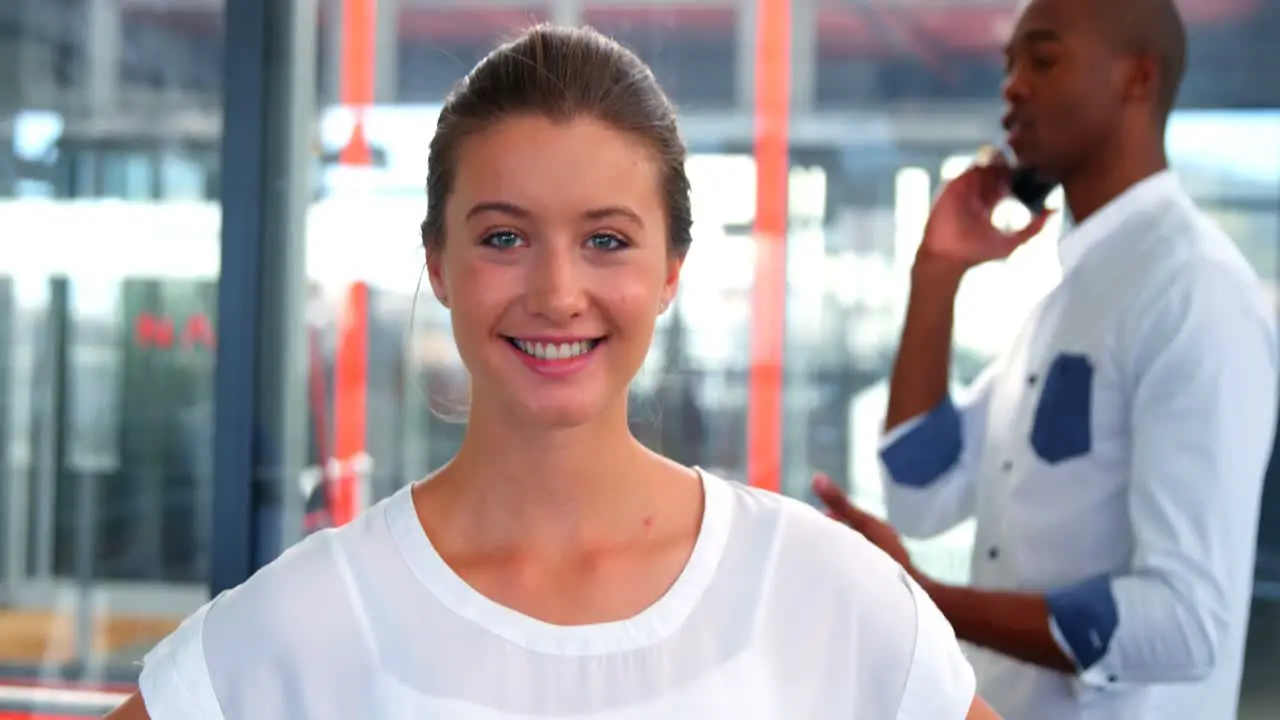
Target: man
x,y
1114,456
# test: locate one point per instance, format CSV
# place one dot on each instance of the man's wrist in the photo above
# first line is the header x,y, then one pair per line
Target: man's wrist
x,y
935,274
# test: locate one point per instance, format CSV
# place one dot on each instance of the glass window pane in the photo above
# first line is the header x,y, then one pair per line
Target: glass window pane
x,y
184,176
886,101
127,175
106,340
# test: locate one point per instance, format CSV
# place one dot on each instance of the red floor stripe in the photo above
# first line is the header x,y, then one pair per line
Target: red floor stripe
x,y
28,716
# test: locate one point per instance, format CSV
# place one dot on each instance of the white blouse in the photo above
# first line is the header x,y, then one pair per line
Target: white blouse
x,y
780,613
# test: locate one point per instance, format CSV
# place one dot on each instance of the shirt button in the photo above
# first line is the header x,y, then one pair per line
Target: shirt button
x,y
993,552
1032,379
1112,678
1007,466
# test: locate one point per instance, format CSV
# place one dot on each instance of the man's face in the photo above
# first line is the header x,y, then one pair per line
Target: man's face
x,y
1061,87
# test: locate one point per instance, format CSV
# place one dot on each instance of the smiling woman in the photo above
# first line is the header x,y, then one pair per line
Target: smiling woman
x,y
585,574
562,274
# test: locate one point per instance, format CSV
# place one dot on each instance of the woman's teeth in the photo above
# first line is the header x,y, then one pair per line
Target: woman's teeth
x,y
555,351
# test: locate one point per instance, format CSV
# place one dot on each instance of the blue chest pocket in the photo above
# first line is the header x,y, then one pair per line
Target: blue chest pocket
x,y
1063,428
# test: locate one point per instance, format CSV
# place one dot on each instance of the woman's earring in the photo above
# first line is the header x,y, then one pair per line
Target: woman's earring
x,y
662,305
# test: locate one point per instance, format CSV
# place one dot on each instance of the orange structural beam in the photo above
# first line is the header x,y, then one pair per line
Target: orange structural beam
x,y
358,73
344,471
351,404
769,292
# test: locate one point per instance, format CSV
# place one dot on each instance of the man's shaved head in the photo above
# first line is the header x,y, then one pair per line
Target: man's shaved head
x,y
1153,28
1085,79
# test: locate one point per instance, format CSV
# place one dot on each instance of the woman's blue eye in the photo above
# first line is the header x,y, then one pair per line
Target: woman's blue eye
x,y
502,240
604,241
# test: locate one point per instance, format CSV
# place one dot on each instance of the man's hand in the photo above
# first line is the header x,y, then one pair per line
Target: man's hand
x,y
1011,623
959,233
872,528
980,710
131,709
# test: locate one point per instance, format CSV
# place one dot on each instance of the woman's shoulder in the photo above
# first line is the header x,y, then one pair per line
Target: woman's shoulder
x,y
806,541
297,616
305,583
862,611
313,580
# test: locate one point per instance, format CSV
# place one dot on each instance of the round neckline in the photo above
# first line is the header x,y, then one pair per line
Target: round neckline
x,y
657,621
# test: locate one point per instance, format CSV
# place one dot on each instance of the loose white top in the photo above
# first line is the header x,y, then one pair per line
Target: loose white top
x,y
779,613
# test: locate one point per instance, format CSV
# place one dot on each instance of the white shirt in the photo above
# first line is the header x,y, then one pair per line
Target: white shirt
x,y
779,613
1114,459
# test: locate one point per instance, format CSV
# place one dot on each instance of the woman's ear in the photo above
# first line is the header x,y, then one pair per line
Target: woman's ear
x,y
670,283
436,276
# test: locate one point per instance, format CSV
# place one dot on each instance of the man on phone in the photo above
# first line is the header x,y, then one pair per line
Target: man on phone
x,y
1114,455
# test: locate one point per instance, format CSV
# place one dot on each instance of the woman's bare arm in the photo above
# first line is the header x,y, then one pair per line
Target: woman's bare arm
x,y
979,710
133,709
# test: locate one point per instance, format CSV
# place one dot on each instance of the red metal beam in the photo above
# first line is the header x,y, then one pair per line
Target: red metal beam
x,y
478,25
33,715
957,26
903,35
769,291
350,405
659,17
358,73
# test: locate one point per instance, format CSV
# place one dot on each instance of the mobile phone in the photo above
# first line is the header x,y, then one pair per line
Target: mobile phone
x,y
1025,184
1030,188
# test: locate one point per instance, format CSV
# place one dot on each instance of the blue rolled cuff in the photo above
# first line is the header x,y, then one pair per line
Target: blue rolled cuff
x,y
928,450
1086,615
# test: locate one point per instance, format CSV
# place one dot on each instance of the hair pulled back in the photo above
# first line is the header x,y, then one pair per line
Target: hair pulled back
x,y
562,73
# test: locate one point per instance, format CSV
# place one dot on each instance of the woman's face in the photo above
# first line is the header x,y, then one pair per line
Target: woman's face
x,y
554,266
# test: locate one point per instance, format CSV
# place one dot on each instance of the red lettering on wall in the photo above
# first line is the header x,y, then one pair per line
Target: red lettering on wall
x,y
158,331
152,331
198,331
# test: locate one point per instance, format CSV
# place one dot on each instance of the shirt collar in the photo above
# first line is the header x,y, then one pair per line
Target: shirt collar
x,y
1108,218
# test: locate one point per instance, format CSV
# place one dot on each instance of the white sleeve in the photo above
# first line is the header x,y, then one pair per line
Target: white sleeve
x,y
940,683
175,682
1202,367
929,462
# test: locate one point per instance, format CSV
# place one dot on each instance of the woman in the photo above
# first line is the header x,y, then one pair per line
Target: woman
x,y
555,567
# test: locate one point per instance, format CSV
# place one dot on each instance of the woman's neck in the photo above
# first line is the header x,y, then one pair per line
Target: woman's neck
x,y
564,488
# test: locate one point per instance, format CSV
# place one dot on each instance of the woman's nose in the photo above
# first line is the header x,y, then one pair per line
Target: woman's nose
x,y
556,289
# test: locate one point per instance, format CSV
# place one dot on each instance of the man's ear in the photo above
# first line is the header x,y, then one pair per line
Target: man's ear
x,y
1142,79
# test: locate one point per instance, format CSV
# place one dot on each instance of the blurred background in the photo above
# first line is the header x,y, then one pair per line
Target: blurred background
x,y
228,191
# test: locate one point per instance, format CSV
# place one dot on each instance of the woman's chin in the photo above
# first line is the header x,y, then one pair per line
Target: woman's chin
x,y
561,408
535,402
564,414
